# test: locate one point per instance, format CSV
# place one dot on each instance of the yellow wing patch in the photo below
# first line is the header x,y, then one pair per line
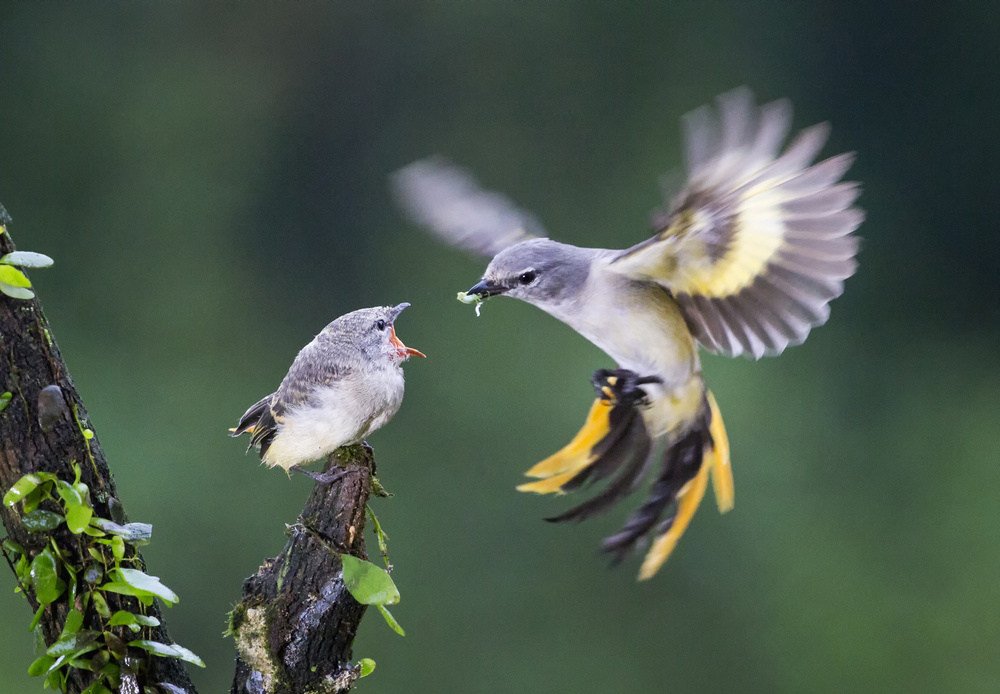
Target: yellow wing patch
x,y
756,243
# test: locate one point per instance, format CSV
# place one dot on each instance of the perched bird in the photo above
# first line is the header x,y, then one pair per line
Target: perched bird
x,y
342,386
745,258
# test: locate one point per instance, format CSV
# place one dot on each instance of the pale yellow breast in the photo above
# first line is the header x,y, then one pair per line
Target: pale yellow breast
x,y
637,324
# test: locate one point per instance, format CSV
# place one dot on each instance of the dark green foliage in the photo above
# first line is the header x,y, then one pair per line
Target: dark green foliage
x,y
50,576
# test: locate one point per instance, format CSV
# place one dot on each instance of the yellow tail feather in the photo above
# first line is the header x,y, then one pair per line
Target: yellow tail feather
x,y
687,503
722,472
577,454
549,485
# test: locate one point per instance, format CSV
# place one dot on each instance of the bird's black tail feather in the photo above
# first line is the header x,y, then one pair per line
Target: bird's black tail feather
x,y
615,440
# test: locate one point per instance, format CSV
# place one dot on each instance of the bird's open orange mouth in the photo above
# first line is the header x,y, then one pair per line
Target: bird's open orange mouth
x,y
401,349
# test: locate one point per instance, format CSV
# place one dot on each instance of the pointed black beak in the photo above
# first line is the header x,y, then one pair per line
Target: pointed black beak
x,y
486,289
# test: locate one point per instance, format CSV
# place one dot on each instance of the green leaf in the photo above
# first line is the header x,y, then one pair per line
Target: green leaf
x,y
168,651
40,521
367,666
144,584
367,583
78,517
75,645
97,688
41,665
21,489
100,604
74,620
36,618
137,533
4,399
56,679
27,259
79,662
14,277
118,547
122,589
130,532
23,569
121,618
112,671
16,292
45,577
391,621
115,645
69,494
145,621
35,497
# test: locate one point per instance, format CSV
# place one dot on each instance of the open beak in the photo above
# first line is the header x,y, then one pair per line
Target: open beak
x,y
485,289
402,349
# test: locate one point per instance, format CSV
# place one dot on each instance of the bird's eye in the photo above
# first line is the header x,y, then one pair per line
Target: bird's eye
x,y
380,324
527,277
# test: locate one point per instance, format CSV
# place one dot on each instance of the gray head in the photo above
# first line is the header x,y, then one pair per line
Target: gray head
x,y
369,333
540,271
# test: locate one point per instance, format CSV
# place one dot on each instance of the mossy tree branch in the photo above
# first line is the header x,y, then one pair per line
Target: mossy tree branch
x,y
296,622
45,433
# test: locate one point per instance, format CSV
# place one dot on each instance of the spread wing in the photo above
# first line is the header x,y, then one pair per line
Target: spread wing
x,y
448,201
758,241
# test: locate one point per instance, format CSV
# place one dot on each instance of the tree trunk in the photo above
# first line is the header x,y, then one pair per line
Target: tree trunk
x,y
46,435
296,623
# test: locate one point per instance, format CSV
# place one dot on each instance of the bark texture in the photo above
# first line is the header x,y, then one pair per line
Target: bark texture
x,y
296,622
47,436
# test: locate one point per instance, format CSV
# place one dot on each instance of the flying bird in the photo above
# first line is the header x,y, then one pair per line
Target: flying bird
x,y
342,386
745,257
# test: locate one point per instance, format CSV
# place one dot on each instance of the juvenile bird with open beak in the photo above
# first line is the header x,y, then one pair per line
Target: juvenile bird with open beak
x,y
744,260
342,386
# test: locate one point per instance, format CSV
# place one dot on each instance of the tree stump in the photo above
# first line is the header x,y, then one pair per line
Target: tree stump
x,y
296,622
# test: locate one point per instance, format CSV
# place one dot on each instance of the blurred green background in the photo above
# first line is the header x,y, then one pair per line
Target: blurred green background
x,y
211,180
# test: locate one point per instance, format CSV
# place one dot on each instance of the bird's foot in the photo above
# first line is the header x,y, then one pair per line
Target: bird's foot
x,y
621,386
328,477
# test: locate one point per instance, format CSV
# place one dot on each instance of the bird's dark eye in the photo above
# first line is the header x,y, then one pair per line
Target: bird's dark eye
x,y
527,277
380,324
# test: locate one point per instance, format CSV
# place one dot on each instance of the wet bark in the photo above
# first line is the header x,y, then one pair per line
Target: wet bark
x,y
296,622
45,433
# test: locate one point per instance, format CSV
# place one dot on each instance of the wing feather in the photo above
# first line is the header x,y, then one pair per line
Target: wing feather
x,y
758,241
448,202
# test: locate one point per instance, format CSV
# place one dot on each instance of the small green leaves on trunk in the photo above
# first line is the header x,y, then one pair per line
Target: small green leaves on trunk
x,y
370,585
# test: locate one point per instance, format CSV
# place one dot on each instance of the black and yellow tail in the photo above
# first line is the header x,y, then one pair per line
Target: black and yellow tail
x,y
615,439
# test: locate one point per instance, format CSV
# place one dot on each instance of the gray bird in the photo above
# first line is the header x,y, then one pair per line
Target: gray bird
x,y
341,387
744,260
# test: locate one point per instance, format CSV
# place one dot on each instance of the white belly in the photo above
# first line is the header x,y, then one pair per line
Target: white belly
x,y
638,325
335,416
641,327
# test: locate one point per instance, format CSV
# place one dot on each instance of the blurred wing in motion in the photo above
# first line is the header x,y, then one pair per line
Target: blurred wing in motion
x,y
447,201
757,243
